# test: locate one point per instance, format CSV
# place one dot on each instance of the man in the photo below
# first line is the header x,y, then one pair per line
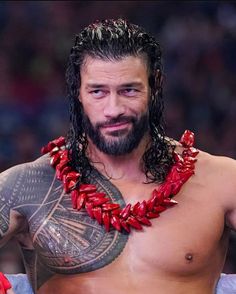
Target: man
x,y
123,232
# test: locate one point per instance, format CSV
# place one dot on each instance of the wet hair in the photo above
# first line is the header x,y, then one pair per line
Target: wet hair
x,y
114,40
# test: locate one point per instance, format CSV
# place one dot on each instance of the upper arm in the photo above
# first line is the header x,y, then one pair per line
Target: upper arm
x,y
227,189
10,220
231,219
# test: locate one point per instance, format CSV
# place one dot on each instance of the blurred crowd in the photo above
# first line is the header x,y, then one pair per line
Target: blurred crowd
x,y
198,39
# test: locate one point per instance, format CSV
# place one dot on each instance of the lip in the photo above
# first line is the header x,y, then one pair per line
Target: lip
x,y
117,126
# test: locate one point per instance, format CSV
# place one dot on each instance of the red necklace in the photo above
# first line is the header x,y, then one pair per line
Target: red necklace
x,y
100,207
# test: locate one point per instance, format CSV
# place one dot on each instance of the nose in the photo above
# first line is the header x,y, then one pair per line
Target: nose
x,y
114,106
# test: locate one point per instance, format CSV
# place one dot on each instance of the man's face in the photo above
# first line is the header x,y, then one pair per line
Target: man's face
x,y
114,95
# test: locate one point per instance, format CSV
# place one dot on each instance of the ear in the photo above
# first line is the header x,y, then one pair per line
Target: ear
x,y
79,96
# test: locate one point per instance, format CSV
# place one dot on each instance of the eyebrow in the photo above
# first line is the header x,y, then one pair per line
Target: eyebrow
x,y
134,84
126,85
95,86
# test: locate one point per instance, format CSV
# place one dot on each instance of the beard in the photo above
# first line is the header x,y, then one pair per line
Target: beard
x,y
121,142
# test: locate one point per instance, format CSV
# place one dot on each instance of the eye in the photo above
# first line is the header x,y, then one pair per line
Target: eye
x,y
130,92
97,93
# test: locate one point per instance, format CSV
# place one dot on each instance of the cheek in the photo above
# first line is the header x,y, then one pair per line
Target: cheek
x,y
93,112
139,107
86,105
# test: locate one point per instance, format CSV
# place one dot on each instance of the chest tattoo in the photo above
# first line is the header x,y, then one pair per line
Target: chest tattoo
x,y
64,240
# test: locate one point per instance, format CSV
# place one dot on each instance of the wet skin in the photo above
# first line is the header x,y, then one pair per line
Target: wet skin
x,y
65,251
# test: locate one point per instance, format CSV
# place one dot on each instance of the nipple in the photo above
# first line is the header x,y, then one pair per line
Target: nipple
x,y
67,259
189,257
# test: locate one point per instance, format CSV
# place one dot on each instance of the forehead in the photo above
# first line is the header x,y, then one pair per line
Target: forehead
x,y
126,69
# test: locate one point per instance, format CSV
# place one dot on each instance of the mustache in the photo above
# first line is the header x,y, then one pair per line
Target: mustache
x,y
122,119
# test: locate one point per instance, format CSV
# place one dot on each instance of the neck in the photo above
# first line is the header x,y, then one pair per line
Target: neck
x,y
128,166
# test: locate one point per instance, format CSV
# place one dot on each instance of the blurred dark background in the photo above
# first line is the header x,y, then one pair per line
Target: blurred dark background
x,y
198,39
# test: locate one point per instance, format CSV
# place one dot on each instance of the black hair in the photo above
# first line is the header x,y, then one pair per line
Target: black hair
x,y
113,40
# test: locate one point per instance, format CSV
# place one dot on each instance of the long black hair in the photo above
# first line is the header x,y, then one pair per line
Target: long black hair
x,y
113,40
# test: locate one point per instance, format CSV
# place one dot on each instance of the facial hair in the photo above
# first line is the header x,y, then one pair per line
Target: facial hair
x,y
121,143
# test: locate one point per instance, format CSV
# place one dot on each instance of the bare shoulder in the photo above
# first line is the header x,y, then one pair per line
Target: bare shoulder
x,y
217,168
218,174
40,162
17,184
12,177
212,168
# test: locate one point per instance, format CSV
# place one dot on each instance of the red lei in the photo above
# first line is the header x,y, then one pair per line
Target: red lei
x,y
100,207
4,283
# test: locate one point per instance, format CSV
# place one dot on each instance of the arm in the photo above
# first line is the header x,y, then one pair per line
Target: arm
x,y
10,220
227,182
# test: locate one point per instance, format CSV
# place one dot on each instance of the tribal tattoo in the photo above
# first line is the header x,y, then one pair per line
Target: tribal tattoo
x,y
59,239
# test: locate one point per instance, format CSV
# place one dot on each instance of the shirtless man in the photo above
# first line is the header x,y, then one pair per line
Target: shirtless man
x,y
117,143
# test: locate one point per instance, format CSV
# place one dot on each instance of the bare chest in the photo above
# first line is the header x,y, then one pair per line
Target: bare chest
x,y
184,239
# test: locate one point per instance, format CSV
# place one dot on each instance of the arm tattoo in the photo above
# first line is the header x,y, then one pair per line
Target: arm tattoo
x,y
62,240
9,184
